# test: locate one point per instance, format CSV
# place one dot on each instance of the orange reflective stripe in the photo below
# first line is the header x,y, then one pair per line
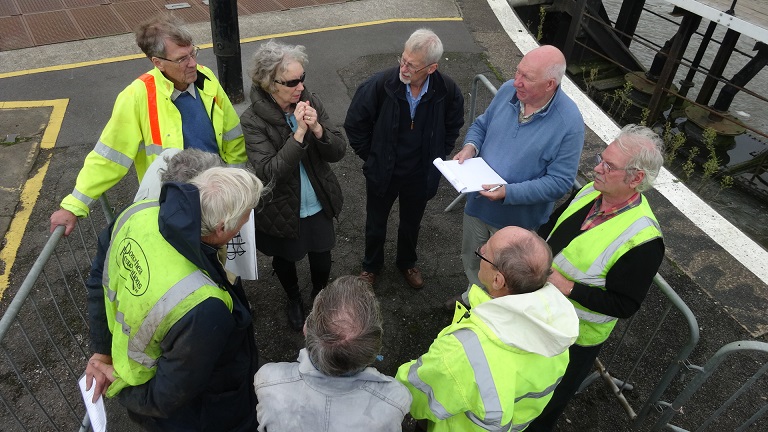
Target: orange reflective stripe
x,y
154,124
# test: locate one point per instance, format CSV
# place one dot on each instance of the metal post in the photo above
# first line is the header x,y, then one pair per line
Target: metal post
x,y
742,77
626,22
718,66
687,27
225,33
576,17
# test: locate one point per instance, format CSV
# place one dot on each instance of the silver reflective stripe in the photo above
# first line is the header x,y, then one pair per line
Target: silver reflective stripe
x,y
541,394
121,219
82,197
640,224
434,405
562,262
593,275
594,317
233,133
153,149
113,155
164,305
494,428
120,318
584,193
484,379
237,165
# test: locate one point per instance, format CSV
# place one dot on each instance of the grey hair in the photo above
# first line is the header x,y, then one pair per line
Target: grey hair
x,y
345,327
525,263
271,59
556,71
646,153
225,195
425,41
188,163
152,34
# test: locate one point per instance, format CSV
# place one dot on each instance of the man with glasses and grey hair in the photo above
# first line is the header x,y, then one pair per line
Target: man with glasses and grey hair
x,y
497,364
333,386
608,247
177,104
399,121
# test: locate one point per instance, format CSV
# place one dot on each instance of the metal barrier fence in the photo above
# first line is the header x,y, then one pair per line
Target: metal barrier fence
x,y
44,334
720,418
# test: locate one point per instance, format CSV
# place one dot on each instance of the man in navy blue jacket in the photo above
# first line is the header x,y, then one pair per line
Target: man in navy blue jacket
x,y
399,121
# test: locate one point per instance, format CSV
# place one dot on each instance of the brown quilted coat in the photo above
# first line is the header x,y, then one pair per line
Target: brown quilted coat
x,y
275,156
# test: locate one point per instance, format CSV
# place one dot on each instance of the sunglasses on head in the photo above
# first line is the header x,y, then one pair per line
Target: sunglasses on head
x,y
293,82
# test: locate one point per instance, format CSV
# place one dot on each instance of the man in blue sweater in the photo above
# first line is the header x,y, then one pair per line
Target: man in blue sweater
x,y
531,134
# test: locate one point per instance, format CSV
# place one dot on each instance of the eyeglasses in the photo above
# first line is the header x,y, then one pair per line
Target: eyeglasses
x,y
411,68
184,60
608,168
294,82
479,255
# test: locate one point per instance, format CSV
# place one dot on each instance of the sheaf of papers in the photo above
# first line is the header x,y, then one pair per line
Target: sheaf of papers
x,y
96,411
469,176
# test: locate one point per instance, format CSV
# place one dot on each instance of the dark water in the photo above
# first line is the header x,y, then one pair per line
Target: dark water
x,y
747,210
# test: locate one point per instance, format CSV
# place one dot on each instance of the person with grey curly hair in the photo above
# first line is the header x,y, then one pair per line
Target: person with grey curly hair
x,y
608,247
332,383
291,142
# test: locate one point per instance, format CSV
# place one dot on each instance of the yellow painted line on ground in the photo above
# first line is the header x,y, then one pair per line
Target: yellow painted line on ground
x,y
348,26
209,45
32,187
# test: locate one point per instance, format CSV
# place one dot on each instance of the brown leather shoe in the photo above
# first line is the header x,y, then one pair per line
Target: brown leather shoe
x,y
368,277
413,278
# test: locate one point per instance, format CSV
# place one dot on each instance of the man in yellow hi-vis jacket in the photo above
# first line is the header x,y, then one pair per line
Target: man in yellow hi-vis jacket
x,y
495,367
177,104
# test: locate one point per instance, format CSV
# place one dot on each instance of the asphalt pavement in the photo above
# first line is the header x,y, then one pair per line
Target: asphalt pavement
x,y
57,98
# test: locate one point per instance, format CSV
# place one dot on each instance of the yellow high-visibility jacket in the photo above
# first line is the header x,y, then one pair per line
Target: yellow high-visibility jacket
x,y
142,309
497,365
144,122
588,257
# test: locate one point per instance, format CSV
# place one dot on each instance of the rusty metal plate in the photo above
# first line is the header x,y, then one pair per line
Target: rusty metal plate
x,y
52,27
197,12
293,4
71,4
8,8
724,124
13,34
135,12
33,6
258,6
97,21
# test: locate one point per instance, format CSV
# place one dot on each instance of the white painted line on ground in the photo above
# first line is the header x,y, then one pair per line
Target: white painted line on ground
x,y
750,254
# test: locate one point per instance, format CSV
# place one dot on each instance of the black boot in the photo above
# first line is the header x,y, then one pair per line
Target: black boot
x,y
286,273
295,311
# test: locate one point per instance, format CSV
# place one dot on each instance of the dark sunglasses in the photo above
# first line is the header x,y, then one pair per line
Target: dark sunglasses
x,y
293,82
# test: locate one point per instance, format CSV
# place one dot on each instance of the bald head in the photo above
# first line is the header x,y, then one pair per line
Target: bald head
x,y
522,257
538,75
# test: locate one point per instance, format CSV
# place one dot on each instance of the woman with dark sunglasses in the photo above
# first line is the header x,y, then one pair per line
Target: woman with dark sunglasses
x,y
290,142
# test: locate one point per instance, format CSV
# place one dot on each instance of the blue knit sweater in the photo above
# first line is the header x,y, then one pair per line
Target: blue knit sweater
x,y
538,159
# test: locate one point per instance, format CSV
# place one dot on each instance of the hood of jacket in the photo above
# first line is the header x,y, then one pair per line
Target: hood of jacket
x,y
542,322
179,223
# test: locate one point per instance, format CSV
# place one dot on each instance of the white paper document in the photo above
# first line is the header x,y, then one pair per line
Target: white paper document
x,y
469,176
96,411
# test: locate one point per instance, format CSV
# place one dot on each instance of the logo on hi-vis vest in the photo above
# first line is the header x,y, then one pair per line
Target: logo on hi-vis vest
x,y
134,269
